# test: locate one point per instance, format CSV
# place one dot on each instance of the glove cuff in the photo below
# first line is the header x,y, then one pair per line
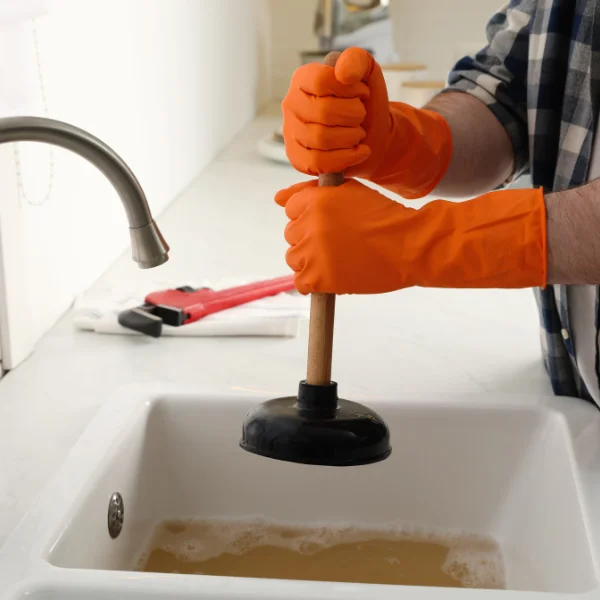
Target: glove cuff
x,y
417,153
497,240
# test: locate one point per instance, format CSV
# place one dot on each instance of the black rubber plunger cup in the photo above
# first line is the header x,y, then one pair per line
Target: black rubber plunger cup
x,y
316,427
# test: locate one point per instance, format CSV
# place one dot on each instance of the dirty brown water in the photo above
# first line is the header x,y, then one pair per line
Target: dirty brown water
x,y
350,554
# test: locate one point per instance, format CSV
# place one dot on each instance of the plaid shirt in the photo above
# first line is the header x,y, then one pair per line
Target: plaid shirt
x,y
540,76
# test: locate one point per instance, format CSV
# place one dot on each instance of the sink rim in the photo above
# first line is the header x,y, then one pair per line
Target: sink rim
x,y
24,565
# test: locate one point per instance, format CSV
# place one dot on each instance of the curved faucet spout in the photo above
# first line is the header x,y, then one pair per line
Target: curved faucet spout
x,y
148,246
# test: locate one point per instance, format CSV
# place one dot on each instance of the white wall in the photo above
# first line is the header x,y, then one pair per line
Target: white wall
x,y
436,32
291,33
439,32
166,83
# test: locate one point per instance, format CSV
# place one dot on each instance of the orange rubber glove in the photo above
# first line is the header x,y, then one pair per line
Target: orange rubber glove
x,y
341,120
353,240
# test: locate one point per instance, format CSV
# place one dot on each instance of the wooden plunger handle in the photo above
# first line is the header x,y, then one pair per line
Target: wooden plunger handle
x,y
322,306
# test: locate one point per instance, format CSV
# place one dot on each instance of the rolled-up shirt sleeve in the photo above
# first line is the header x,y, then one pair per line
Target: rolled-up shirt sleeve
x,y
497,74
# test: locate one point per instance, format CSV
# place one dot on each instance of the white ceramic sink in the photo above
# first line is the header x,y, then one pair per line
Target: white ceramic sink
x,y
523,470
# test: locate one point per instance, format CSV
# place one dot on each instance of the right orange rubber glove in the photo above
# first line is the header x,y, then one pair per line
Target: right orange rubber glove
x,y
341,120
353,240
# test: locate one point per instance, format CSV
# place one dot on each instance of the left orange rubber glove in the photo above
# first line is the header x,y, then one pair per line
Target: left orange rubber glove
x,y
353,240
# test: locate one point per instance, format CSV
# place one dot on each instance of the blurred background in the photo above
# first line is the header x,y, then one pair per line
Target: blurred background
x,y
168,84
435,33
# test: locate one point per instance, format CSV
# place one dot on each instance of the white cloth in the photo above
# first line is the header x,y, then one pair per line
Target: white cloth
x,y
279,316
582,309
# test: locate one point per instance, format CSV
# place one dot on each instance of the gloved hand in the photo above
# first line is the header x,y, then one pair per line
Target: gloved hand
x,y
341,120
353,240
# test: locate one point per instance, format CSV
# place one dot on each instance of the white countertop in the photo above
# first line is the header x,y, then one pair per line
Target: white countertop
x,y
416,342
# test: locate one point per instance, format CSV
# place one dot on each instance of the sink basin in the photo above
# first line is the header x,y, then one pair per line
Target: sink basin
x,y
523,470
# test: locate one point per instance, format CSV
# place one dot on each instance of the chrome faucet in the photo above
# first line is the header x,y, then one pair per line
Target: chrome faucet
x,y
148,247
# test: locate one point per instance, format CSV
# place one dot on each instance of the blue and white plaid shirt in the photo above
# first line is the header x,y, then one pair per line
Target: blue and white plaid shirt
x,y
540,76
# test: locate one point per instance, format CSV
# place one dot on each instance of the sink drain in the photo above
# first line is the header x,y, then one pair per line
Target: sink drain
x,y
116,515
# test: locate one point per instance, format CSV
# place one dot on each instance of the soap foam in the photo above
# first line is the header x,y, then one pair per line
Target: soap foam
x,y
474,561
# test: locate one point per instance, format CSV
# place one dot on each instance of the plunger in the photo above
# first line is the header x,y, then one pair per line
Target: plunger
x,y
316,427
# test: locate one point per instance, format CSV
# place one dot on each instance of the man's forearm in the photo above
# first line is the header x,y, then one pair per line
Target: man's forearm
x,y
573,234
482,153
482,159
